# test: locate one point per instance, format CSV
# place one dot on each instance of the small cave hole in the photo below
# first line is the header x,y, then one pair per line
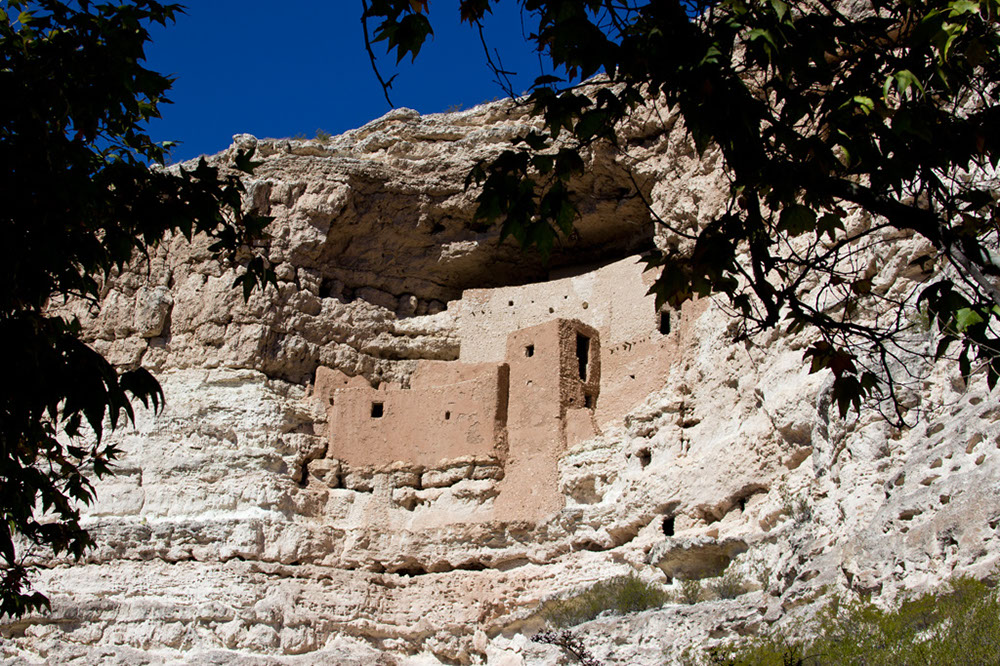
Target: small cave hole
x,y
378,409
645,457
326,288
410,571
664,323
552,310
668,526
529,351
589,401
472,565
437,228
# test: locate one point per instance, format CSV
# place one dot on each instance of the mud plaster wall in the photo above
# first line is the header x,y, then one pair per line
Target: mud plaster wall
x,y
541,368
423,425
545,386
611,299
520,413
636,355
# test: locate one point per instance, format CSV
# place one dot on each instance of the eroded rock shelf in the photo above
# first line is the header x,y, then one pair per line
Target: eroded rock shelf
x,y
423,435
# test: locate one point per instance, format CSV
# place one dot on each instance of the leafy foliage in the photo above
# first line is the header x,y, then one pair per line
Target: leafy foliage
x,y
959,626
889,110
729,585
79,202
625,594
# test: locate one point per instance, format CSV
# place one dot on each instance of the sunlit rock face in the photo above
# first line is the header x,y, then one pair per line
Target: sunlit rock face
x,y
540,428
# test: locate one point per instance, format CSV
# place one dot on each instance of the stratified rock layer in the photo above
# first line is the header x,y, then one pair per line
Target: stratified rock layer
x,y
231,534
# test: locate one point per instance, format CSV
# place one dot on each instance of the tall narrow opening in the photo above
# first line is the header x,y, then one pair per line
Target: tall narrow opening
x,y
664,322
583,354
377,410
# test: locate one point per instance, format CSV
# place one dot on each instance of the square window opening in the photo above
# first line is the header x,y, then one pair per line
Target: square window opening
x,y
378,409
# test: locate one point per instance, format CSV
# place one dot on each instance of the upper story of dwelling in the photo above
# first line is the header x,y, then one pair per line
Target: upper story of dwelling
x,y
612,299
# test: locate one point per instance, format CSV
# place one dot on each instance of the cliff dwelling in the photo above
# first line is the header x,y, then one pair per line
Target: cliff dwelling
x,y
542,367
438,486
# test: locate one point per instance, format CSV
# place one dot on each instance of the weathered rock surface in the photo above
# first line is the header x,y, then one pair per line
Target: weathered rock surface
x,y
228,535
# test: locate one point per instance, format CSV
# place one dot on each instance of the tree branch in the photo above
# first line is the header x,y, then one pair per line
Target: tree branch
x,y
371,54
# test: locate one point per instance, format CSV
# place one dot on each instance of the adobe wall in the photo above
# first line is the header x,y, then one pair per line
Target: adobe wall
x,y
611,299
542,367
545,386
636,356
505,424
422,425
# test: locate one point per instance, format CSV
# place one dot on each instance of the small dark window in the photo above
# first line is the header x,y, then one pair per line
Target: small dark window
x,y
583,354
447,416
529,351
664,323
510,303
377,410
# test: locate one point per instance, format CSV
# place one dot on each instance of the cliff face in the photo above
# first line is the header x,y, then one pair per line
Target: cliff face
x,y
272,514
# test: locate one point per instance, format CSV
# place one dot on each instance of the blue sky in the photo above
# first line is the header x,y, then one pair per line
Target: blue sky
x,y
290,68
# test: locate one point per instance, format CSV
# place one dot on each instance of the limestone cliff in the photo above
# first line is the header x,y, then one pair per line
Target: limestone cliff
x,y
259,519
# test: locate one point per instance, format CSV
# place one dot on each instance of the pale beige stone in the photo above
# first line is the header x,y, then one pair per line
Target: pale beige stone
x,y
245,526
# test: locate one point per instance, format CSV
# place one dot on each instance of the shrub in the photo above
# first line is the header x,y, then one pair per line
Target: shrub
x,y
569,644
958,626
690,592
763,574
729,585
625,594
796,507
